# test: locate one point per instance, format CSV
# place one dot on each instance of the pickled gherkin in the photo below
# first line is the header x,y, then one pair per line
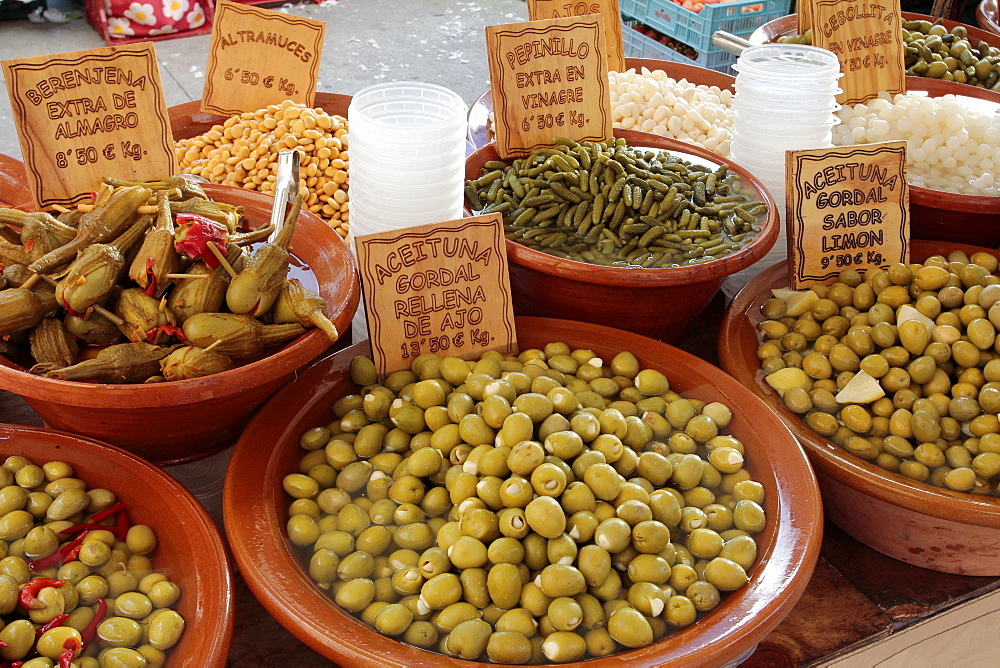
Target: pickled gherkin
x,y
633,207
527,529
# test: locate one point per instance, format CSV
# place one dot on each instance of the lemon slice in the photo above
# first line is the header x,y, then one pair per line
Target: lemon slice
x,y
797,301
862,389
785,379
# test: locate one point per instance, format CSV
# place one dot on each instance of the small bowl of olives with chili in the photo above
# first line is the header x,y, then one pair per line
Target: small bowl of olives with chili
x,y
108,561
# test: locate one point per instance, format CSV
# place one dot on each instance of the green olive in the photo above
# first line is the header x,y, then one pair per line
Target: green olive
x,y
564,646
121,631
630,628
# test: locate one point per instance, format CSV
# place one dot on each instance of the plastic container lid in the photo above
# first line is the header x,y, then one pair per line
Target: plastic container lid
x,y
371,192
787,98
442,151
446,209
381,145
791,61
389,174
407,112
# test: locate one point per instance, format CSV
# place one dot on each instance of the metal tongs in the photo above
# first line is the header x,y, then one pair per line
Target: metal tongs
x,y
729,43
286,187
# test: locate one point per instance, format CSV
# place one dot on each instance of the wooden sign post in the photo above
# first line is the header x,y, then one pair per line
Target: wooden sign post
x,y
260,57
867,39
804,13
85,115
609,9
848,208
549,79
441,288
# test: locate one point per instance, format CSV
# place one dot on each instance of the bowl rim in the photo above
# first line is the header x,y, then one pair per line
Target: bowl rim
x,y
739,322
197,519
987,16
13,180
287,359
252,515
713,270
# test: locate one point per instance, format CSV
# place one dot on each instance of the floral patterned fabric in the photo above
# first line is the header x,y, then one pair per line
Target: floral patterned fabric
x,y
127,18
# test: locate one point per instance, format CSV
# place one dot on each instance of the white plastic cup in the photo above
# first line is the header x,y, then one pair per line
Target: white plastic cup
x,y
408,112
793,62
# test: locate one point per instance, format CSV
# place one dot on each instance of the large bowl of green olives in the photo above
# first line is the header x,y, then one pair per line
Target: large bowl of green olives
x,y
108,561
905,455
332,516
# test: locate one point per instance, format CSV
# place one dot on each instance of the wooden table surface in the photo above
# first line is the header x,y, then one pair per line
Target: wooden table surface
x,y
856,595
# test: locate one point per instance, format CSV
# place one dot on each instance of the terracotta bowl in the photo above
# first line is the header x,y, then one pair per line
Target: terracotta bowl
x,y
187,121
170,423
987,16
189,547
255,509
934,214
481,130
659,303
13,181
922,525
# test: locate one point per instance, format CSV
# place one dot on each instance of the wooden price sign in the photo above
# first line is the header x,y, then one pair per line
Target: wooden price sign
x,y
556,9
260,57
549,79
804,12
867,38
85,115
848,208
439,288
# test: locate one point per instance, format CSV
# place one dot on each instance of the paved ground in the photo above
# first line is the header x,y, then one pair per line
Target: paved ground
x,y
367,41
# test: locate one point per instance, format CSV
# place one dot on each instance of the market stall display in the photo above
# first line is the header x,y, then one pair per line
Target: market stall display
x,y
630,298
932,527
242,150
643,93
187,419
189,553
786,544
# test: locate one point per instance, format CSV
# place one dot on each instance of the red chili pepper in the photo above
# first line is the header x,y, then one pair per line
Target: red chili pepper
x,y
67,552
150,276
95,518
121,526
194,232
29,245
90,630
71,647
169,330
54,622
29,592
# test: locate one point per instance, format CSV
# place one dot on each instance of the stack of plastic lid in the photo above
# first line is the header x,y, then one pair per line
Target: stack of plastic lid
x,y
785,100
407,146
